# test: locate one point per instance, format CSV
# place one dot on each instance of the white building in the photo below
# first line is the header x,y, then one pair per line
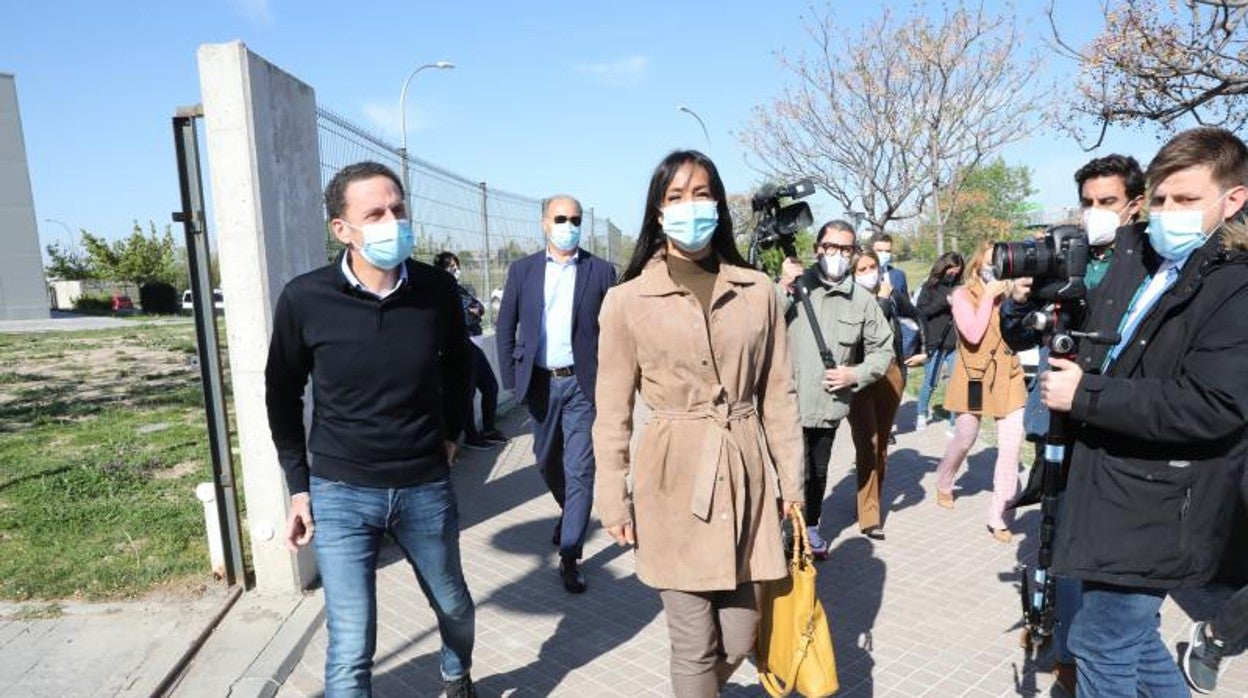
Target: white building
x,y
23,292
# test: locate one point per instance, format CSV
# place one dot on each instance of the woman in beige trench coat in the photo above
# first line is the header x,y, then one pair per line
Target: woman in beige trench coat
x,y
700,334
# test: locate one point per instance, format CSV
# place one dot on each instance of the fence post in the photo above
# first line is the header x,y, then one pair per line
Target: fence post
x,y
610,259
593,230
485,232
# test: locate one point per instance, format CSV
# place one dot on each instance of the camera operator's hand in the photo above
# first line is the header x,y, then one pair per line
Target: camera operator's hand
x,y
1021,292
998,288
790,271
839,378
1059,383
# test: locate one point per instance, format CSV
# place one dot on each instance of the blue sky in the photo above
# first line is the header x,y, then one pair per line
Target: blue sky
x,y
547,96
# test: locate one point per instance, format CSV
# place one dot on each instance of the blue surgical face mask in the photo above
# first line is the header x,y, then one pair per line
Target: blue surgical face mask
x,y
690,224
886,259
565,236
386,244
1177,234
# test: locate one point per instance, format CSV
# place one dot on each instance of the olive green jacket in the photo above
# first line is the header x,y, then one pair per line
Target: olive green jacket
x,y
853,326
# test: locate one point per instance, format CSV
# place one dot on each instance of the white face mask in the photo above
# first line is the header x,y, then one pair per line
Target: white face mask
x,y
987,275
1101,224
869,280
834,265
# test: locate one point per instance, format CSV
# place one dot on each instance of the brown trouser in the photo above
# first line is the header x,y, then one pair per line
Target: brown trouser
x,y
871,416
711,632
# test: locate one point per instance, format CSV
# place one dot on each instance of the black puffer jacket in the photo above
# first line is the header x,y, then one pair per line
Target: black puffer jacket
x,y
933,304
1159,436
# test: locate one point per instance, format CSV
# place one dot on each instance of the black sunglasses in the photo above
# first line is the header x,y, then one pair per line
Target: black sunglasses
x,y
560,219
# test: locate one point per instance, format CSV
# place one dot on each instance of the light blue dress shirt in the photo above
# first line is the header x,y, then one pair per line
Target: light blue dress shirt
x,y
556,349
1146,297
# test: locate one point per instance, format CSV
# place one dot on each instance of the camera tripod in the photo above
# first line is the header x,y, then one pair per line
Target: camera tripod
x,y
1038,586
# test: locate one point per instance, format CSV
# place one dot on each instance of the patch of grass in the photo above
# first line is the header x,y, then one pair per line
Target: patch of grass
x,y
37,612
11,377
94,503
91,519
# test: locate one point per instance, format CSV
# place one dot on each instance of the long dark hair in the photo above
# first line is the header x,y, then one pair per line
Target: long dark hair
x,y
651,236
944,263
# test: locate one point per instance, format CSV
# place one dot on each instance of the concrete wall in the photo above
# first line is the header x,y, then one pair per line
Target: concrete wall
x,y
23,295
260,128
64,293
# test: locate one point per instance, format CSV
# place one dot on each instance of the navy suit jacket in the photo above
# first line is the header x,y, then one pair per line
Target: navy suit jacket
x,y
520,320
897,278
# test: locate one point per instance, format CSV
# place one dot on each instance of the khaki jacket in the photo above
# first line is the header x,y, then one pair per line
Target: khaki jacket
x,y
851,321
990,361
704,492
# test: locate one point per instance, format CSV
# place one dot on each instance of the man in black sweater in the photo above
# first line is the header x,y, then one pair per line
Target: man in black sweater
x,y
382,338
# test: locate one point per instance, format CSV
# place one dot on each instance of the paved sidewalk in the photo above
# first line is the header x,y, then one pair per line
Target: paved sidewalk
x,y
121,648
931,611
60,321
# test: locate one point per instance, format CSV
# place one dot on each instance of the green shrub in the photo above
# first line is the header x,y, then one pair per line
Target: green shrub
x,y
94,304
159,298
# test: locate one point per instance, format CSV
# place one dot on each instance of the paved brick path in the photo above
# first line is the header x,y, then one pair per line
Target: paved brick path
x,y
931,611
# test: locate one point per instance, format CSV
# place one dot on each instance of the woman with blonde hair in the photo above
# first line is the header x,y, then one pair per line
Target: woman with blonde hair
x,y
987,381
701,335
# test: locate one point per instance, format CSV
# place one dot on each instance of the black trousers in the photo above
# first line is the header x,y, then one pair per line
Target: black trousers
x,y
818,453
481,377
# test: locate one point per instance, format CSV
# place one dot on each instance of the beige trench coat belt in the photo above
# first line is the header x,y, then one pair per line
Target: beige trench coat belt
x,y
714,445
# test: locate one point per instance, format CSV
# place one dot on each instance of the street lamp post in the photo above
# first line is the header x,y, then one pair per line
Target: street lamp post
x,y
441,65
690,112
69,234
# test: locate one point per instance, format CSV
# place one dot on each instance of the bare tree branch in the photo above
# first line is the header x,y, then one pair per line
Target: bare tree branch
x,y
891,119
1158,62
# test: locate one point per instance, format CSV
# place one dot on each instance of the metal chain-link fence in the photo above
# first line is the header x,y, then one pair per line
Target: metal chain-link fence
x,y
486,228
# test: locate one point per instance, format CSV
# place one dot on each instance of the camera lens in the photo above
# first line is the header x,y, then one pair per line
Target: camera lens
x,y
1011,260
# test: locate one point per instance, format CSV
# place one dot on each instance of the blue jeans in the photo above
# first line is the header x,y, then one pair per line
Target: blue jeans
x,y
563,419
1118,649
938,361
1069,597
350,523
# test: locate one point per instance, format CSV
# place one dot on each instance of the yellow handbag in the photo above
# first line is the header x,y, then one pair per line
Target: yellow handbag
x,y
794,647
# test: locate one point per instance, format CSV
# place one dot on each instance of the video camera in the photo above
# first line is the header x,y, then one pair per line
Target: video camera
x,y
778,223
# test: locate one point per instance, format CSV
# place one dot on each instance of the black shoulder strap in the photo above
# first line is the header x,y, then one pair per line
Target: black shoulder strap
x,y
803,291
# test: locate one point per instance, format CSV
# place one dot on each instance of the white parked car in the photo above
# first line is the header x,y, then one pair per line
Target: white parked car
x,y
1030,359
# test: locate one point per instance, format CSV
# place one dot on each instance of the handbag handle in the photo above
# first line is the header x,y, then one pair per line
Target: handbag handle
x,y
801,553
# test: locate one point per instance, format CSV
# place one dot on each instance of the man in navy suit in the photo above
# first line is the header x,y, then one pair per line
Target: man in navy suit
x,y
882,245
548,357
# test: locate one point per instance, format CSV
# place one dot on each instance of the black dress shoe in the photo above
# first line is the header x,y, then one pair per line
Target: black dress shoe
x,y
459,688
573,580
874,532
494,435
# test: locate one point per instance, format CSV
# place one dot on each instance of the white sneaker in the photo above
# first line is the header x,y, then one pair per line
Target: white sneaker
x,y
818,546
920,423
